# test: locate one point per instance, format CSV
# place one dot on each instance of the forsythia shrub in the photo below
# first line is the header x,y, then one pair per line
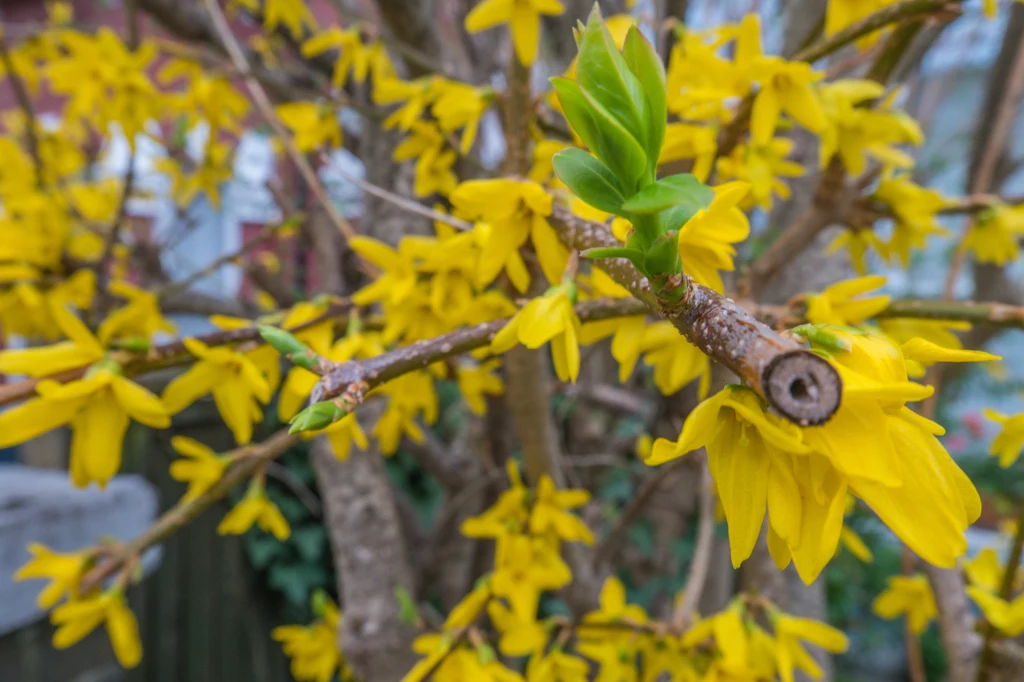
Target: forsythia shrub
x,y
627,220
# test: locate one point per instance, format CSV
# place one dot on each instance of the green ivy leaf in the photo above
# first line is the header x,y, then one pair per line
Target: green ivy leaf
x,y
263,549
645,63
310,541
604,76
589,179
675,190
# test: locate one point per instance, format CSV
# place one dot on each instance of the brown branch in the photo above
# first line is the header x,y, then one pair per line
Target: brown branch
x,y
702,553
1002,125
732,132
248,460
956,622
340,378
157,357
266,110
1005,592
800,385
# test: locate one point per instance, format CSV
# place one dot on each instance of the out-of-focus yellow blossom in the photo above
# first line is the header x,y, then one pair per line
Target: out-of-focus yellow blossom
x,y
522,17
255,508
785,86
839,302
858,242
995,236
1005,616
985,571
460,106
706,240
550,513
80,349
265,357
549,318
853,542
542,170
293,15
684,141
763,168
409,396
76,619
139,318
908,595
415,96
855,132
476,381
64,571
675,360
210,173
98,407
700,82
789,651
313,649
202,468
842,13
313,125
353,56
516,211
1009,443
915,210
237,386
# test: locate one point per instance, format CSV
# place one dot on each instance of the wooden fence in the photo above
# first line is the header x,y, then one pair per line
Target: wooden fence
x,y
203,614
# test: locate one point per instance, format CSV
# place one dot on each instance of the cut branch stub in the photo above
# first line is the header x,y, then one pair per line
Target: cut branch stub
x,y
801,386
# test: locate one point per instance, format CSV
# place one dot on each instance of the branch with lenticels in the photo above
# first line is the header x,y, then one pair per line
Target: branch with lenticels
x,y
803,387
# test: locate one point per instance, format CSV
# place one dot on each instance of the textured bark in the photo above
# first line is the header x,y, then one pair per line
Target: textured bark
x,y
956,623
370,557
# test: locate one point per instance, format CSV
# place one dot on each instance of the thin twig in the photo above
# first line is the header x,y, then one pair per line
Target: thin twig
x,y
1005,592
266,110
248,460
400,201
1002,125
702,553
606,549
158,357
915,657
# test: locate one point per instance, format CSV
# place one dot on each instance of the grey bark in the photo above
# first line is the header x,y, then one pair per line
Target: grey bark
x,y
370,557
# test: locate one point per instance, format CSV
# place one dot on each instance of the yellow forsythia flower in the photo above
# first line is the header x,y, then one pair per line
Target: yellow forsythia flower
x,y
837,304
202,468
1009,443
64,571
706,240
313,649
255,508
910,596
522,17
549,318
235,382
76,619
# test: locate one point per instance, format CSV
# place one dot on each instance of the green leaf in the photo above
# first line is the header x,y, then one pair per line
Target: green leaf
x,y
675,190
605,137
634,256
663,256
263,549
407,611
603,75
589,179
645,63
310,541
